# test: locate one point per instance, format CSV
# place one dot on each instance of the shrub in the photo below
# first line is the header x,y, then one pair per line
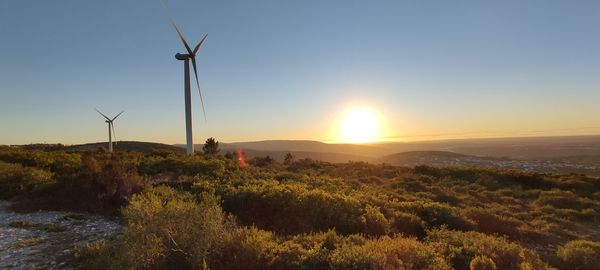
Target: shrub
x,y
436,214
407,224
386,253
374,221
103,184
246,248
168,229
179,164
53,161
17,180
482,263
563,200
579,254
100,255
293,207
460,248
490,223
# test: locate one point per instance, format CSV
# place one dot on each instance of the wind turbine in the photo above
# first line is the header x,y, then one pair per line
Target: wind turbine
x,y
191,55
111,128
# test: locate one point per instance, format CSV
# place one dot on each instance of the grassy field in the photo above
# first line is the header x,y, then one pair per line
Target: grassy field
x,y
207,211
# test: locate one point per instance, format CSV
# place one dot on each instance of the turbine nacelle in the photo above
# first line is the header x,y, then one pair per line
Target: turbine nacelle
x,y
181,56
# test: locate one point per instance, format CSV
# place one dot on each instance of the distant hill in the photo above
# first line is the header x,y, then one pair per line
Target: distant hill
x,y
519,148
145,147
310,147
322,156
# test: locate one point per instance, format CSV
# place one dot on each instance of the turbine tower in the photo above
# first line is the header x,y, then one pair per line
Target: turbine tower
x,y
190,55
111,128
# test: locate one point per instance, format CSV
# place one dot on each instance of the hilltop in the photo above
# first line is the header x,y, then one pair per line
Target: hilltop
x,y
144,147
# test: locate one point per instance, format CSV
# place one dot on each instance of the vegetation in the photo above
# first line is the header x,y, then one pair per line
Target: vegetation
x,y
211,147
216,212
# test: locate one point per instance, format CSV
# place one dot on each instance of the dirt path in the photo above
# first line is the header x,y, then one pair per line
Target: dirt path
x,y
47,239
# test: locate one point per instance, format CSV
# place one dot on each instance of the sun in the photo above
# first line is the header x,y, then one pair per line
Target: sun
x,y
359,125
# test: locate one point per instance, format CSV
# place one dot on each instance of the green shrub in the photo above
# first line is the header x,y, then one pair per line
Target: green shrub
x,y
387,253
53,161
482,263
562,199
460,248
490,223
168,229
579,254
247,248
103,184
436,214
407,224
374,221
179,164
17,180
101,255
293,207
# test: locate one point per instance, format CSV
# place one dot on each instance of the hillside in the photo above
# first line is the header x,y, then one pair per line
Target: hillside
x,y
144,147
182,211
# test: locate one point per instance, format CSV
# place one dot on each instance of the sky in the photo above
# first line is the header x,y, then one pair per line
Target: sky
x,y
290,69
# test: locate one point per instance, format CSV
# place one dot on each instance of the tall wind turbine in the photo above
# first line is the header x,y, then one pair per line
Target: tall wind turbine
x,y
111,128
191,55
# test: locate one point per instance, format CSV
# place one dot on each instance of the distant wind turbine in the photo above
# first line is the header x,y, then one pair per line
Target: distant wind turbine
x,y
191,55
111,128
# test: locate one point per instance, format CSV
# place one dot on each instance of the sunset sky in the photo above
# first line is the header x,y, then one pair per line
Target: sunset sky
x,y
296,69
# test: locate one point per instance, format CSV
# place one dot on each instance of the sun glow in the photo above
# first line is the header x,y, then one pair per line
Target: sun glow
x,y
359,125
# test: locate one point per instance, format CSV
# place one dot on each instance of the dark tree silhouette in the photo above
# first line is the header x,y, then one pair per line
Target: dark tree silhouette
x,y
289,158
211,147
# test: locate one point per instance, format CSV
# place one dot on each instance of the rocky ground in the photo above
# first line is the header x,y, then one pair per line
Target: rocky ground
x,y
48,239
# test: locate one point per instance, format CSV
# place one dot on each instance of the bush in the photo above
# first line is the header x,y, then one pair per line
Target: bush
x,y
293,208
579,254
374,221
17,180
387,253
436,214
103,184
53,161
246,248
100,255
460,248
482,263
179,164
168,229
564,200
490,223
407,224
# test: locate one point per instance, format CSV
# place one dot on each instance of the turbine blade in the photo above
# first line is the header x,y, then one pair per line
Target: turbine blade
x,y
199,45
198,84
102,114
117,116
187,47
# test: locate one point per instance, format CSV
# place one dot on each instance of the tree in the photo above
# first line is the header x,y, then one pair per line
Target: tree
x,y
211,147
289,158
